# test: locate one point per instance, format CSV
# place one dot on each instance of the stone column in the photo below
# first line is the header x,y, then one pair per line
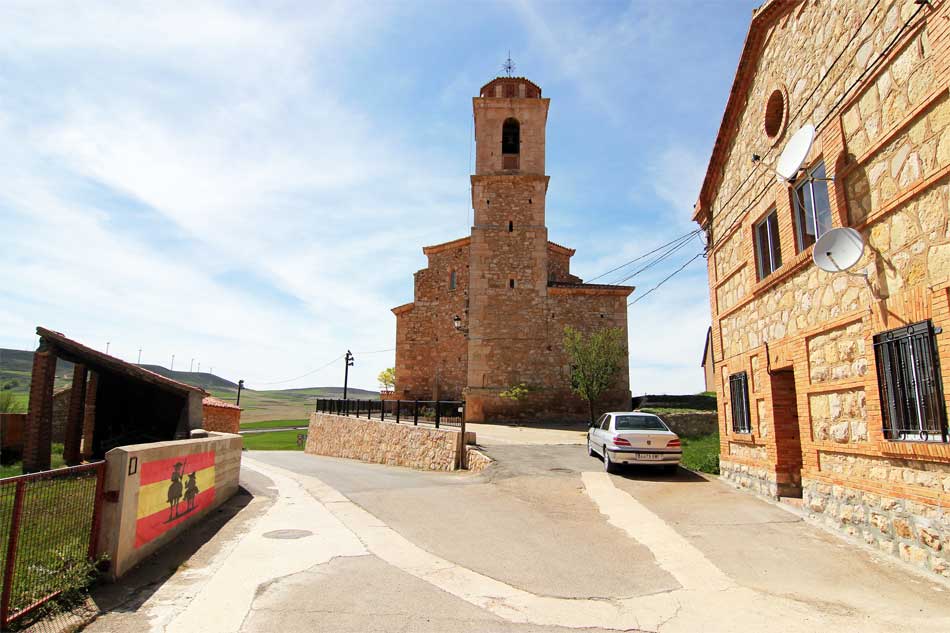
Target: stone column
x,y
38,434
74,417
89,415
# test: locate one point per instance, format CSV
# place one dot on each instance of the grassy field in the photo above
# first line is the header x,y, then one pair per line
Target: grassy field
x,y
16,468
273,424
276,441
701,452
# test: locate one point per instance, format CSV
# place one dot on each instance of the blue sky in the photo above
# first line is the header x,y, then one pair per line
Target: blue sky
x,y
250,184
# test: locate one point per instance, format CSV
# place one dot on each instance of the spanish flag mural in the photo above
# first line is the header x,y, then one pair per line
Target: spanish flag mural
x,y
172,490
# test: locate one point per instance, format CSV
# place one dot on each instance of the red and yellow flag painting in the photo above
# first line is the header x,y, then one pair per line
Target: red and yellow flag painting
x,y
172,490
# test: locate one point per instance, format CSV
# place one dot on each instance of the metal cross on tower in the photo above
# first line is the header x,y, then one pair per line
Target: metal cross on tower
x,y
509,65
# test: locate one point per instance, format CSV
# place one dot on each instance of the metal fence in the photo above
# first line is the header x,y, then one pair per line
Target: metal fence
x,y
437,413
49,524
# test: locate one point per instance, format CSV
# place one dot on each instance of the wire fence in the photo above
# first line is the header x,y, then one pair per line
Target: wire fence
x,y
49,525
437,413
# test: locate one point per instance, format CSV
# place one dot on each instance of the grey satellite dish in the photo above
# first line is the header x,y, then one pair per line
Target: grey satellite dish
x,y
838,250
794,154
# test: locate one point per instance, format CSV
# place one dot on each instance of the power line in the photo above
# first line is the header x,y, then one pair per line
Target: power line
x,y
277,382
668,277
636,259
656,261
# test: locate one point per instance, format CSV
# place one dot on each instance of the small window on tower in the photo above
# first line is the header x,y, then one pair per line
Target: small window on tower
x,y
511,226
511,137
511,283
452,280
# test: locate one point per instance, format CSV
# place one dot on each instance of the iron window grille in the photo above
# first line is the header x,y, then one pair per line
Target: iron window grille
x,y
812,207
739,399
768,251
910,385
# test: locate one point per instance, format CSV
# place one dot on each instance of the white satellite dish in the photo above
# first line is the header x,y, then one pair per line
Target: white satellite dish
x,y
838,250
794,154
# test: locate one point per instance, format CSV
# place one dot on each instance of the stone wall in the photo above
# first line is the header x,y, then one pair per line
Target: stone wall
x,y
379,442
804,336
476,461
687,424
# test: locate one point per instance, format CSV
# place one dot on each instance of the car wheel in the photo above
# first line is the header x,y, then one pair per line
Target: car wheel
x,y
590,448
609,466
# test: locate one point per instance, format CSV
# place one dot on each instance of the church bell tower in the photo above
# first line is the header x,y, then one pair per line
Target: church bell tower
x,y
508,257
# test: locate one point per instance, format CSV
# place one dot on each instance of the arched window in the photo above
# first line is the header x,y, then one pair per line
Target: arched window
x,y
511,137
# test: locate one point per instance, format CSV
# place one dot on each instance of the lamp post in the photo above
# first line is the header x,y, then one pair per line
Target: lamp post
x,y
457,322
240,386
346,372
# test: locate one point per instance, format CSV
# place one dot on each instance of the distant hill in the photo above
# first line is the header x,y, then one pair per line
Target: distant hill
x,y
16,366
198,379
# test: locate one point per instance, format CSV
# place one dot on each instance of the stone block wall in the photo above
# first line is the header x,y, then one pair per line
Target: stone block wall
x,y
380,442
686,424
11,436
804,336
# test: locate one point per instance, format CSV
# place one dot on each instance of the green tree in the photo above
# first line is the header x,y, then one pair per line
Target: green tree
x,y
387,379
595,360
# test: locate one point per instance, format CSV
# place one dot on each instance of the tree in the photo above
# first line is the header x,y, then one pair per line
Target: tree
x,y
595,361
387,379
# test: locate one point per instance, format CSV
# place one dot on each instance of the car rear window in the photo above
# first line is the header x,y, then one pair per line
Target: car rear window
x,y
639,423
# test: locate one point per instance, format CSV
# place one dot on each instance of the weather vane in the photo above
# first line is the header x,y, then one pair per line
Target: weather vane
x,y
509,65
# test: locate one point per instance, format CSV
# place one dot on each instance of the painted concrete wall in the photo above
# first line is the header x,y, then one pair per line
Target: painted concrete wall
x,y
137,518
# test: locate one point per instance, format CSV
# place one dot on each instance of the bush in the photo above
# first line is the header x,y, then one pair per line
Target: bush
x,y
10,403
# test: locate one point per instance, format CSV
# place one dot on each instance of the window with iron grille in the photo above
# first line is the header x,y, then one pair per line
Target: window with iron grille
x,y
908,376
739,399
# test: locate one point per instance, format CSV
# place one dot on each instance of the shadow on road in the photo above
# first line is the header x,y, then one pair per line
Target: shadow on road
x,y
651,473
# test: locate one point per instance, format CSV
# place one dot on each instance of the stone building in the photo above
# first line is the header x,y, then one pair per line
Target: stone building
x,y
832,386
490,309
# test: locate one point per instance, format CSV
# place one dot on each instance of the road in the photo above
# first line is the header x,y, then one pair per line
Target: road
x,y
543,541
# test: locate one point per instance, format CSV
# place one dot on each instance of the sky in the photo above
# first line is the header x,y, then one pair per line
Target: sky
x,y
248,185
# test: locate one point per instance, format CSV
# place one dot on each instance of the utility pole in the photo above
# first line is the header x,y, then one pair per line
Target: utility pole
x,y
240,386
346,372
173,363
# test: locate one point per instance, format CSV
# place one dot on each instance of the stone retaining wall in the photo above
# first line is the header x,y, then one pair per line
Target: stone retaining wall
x,y
477,461
689,424
382,442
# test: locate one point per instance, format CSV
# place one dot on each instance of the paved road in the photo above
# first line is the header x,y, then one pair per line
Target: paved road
x,y
544,541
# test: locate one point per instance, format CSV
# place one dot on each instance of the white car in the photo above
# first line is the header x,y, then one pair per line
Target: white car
x,y
631,437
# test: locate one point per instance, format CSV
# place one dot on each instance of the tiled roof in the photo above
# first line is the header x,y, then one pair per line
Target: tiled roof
x,y
77,352
211,401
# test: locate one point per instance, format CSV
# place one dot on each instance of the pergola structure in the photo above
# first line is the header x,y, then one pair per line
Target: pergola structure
x,y
112,403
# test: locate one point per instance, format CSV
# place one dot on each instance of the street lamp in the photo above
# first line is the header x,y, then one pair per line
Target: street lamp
x,y
457,322
346,372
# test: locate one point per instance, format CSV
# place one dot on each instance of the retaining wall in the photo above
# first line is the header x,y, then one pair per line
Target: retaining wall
x,y
137,518
381,442
689,424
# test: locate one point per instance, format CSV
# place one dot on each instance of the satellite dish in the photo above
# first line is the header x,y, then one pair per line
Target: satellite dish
x,y
838,250
794,154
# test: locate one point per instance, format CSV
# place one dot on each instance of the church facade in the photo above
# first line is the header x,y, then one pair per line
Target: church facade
x,y
490,309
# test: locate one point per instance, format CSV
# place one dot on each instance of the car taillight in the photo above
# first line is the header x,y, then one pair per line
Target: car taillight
x,y
619,441
673,443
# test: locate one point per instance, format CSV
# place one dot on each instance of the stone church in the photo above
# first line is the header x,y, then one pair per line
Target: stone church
x,y
490,308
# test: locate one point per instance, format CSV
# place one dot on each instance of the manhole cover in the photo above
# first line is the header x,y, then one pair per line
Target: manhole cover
x,y
287,534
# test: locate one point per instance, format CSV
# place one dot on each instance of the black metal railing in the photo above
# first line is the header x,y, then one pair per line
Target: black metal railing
x,y
437,413
49,524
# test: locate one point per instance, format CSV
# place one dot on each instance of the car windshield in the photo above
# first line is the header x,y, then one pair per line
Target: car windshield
x,y
639,423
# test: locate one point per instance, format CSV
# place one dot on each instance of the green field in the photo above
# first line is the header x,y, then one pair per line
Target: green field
x,y
273,424
276,441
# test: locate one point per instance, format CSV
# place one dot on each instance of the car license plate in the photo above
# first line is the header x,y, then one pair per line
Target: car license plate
x,y
655,456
